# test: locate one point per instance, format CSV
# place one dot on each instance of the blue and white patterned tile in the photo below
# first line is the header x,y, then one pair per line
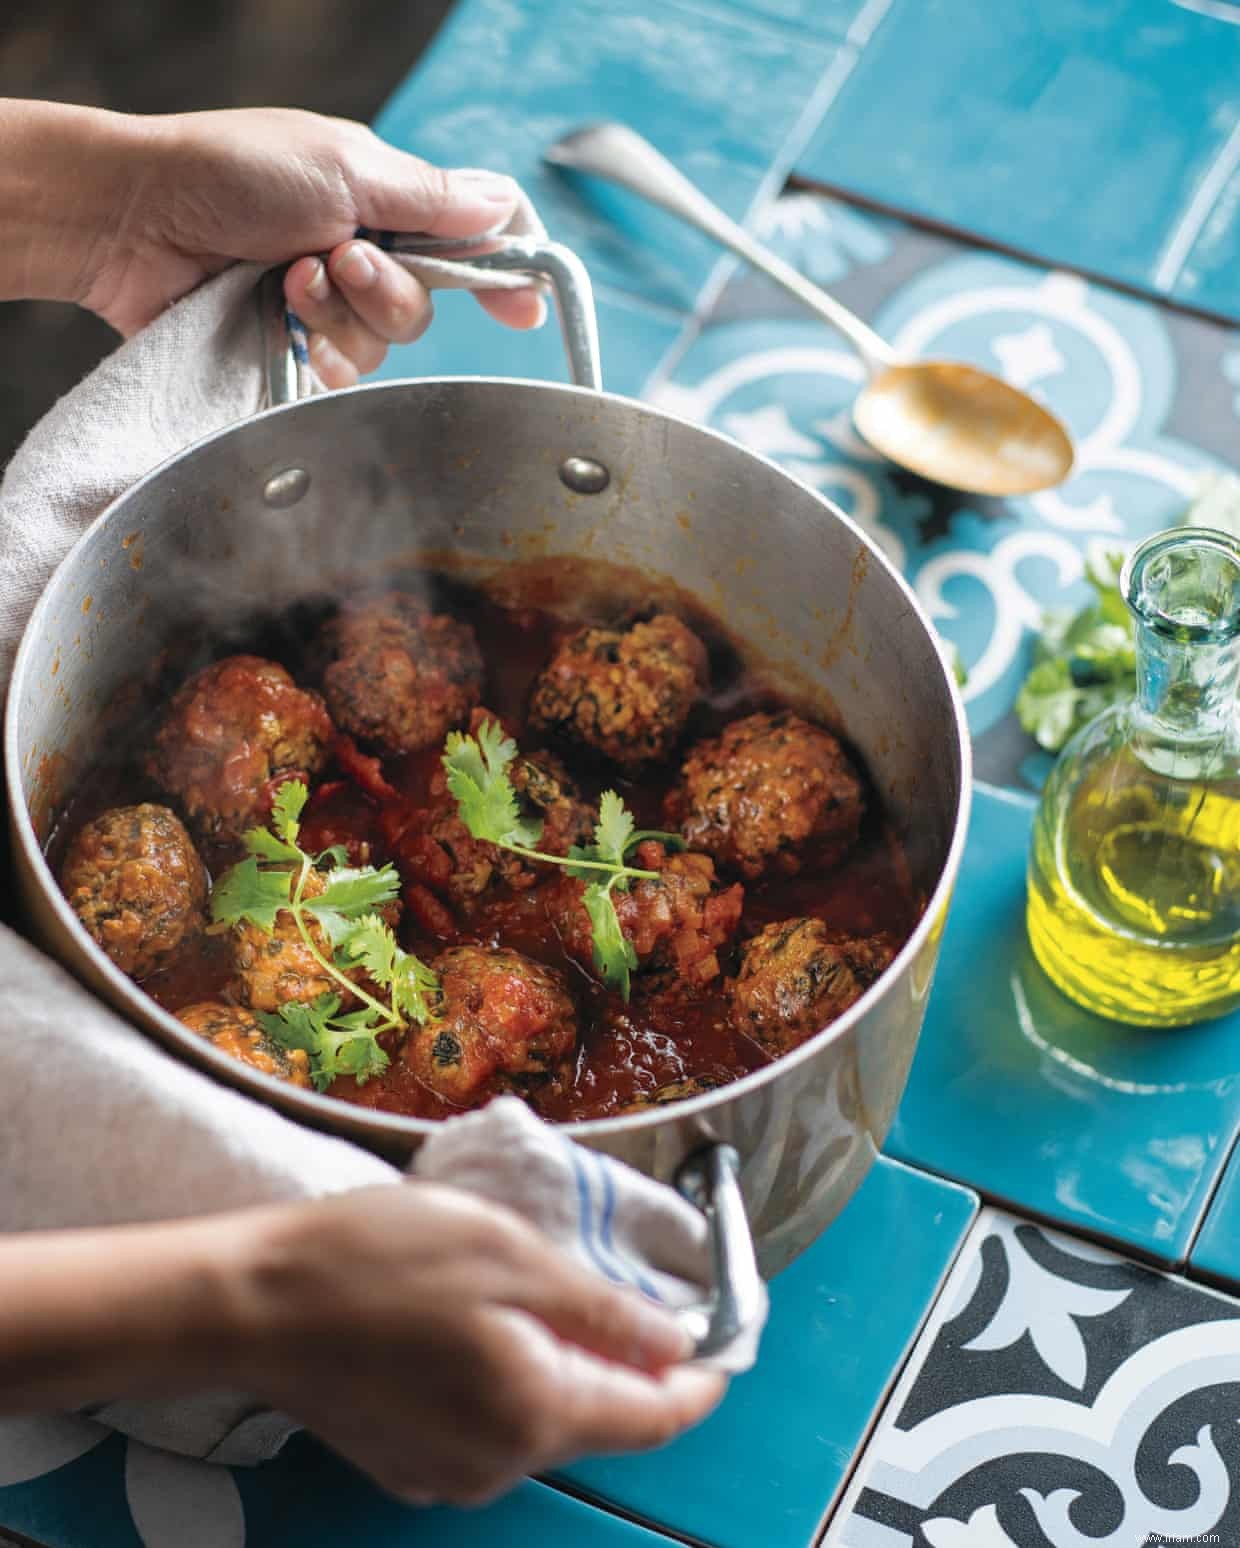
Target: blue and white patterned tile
x,y
465,341
70,1483
763,1469
1059,1397
1104,137
725,95
1116,1130
1145,394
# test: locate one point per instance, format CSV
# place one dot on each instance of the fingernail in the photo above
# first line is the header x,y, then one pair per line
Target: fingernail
x,y
318,286
490,187
355,268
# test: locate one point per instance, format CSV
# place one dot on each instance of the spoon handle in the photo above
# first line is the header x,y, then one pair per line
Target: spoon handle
x,y
622,156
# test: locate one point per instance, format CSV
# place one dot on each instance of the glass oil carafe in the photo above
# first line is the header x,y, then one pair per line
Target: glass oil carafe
x,y
1134,870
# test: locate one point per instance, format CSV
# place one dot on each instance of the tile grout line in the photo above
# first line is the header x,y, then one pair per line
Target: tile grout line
x,y
983,243
859,33
835,1505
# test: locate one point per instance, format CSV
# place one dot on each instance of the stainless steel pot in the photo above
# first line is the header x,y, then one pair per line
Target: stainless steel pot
x,y
286,504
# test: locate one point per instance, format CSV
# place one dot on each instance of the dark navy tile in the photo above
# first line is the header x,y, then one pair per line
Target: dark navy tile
x,y
1059,1395
1120,1130
1101,136
723,94
1216,1252
464,341
765,1466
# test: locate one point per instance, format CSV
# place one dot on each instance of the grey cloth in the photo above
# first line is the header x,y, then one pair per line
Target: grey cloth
x,y
101,1125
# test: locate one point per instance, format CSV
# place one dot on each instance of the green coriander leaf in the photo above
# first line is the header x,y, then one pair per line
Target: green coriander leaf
x,y
287,808
614,829
355,891
337,1045
245,892
412,986
477,771
614,956
1047,703
334,854
263,843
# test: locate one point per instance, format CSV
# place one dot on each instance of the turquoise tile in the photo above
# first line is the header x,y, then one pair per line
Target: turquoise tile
x,y
764,1467
308,1498
721,92
464,341
1103,136
1116,1130
1216,1252
830,18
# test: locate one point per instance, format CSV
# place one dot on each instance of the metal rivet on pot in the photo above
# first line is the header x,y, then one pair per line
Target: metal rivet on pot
x,y
583,475
284,489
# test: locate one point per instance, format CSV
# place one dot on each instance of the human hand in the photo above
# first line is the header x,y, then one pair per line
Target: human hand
x,y
448,1349
126,215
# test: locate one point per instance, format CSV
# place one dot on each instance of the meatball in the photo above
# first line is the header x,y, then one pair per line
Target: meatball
x,y
237,1032
624,694
676,920
231,736
438,850
498,1013
135,881
277,967
795,978
769,794
398,676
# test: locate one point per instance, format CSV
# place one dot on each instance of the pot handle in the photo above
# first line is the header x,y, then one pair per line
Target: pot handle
x,y
710,1179
552,261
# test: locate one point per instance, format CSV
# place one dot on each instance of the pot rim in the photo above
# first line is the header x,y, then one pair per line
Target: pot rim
x,y
320,1110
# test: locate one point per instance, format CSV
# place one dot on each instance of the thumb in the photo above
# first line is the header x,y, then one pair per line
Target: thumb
x,y
401,192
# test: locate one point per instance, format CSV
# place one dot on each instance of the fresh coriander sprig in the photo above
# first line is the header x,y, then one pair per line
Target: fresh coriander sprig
x,y
477,772
344,906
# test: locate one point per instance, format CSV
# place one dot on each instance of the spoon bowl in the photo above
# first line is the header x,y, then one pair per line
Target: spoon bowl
x,y
963,427
947,421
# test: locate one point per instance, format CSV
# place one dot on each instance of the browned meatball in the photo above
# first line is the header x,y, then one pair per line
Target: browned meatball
x,y
237,1032
231,736
499,1013
277,967
438,850
624,694
399,676
135,881
795,978
772,793
678,919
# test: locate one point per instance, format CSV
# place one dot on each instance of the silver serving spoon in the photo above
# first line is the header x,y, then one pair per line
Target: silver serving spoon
x,y
947,421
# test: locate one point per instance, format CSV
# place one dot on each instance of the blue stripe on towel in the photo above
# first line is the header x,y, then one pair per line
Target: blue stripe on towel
x,y
603,1168
588,1239
297,337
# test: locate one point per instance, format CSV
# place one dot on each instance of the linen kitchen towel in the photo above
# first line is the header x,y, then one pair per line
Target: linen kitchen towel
x,y
148,1137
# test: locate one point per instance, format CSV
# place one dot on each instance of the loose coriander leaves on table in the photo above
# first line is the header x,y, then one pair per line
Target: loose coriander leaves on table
x,y
341,907
1085,661
477,770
